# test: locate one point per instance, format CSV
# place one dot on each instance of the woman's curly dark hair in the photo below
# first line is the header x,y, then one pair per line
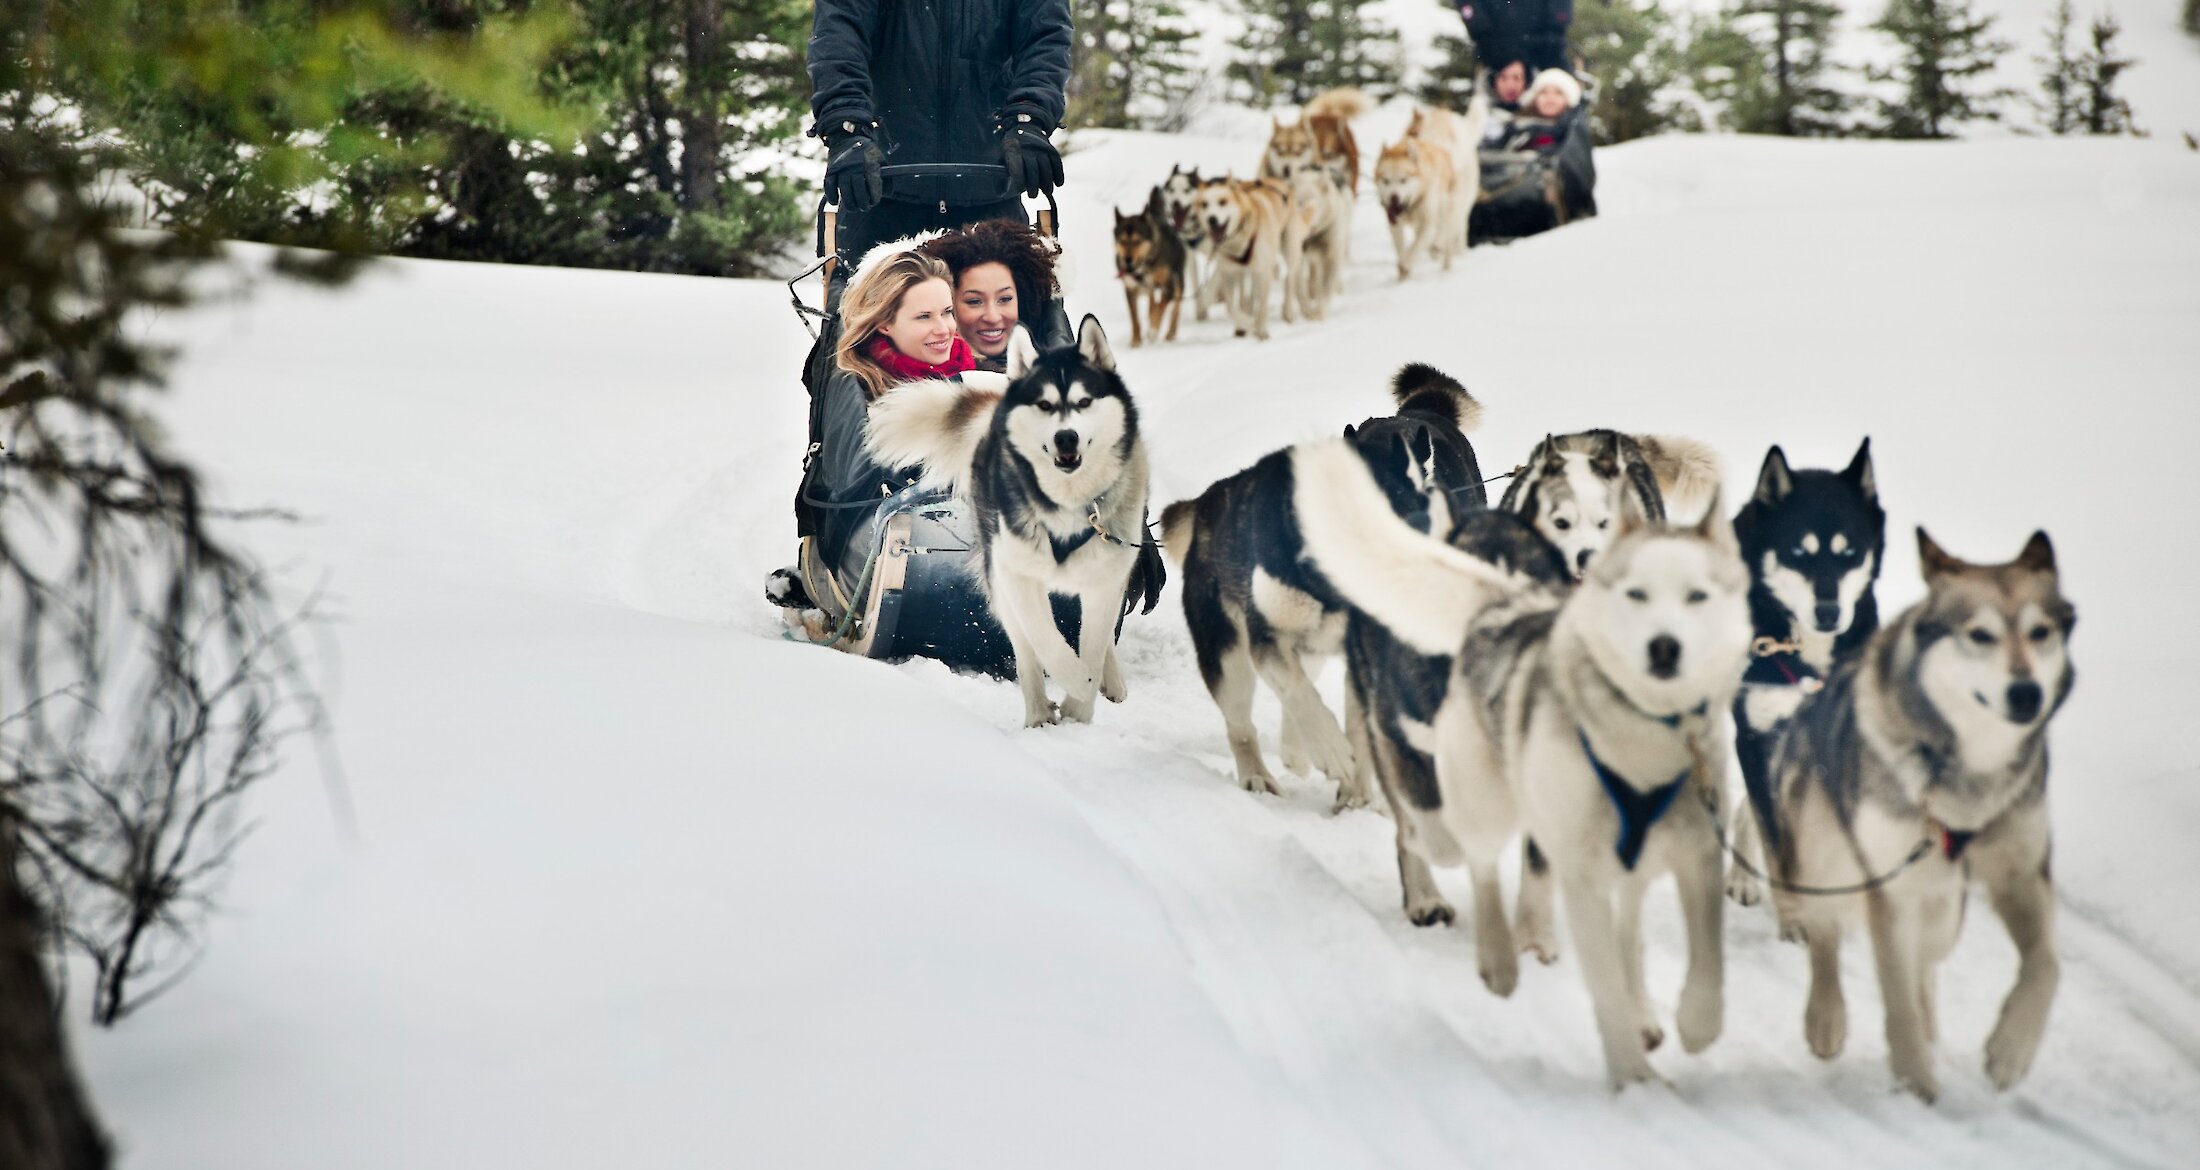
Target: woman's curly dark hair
x,y
1028,256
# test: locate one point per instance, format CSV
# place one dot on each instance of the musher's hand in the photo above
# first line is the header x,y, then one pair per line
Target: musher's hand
x,y
852,175
1033,163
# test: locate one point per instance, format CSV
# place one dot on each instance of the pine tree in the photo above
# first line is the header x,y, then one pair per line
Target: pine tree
x,y
1294,49
2101,109
1131,64
1630,47
1945,45
1796,38
2060,79
1450,82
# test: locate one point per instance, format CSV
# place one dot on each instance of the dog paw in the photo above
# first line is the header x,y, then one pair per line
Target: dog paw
x,y
1652,1036
1041,715
1916,1077
1826,1027
1743,887
1350,795
2009,1055
1259,782
1434,912
1113,688
1499,967
1702,1016
1793,932
1544,950
1630,1068
1077,709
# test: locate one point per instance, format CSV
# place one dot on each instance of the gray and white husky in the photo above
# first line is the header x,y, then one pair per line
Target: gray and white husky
x,y
1056,474
1572,485
1595,718
1919,767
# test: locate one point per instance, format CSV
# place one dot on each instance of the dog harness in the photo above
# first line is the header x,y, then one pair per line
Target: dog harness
x,y
1637,810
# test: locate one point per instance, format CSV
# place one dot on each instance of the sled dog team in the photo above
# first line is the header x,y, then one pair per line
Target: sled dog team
x,y
1231,242
1566,669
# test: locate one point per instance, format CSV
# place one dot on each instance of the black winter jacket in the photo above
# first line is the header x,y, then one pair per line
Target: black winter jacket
x,y
1533,31
936,74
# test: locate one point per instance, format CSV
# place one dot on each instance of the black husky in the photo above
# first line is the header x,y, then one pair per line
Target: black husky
x,y
1257,610
1813,541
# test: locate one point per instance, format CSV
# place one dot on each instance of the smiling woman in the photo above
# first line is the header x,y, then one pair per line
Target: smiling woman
x,y
1005,273
898,321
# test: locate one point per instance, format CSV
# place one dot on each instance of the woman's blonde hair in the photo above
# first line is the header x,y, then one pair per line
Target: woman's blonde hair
x,y
870,302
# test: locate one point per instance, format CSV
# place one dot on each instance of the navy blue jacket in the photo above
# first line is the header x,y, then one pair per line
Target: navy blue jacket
x,y
937,74
1533,31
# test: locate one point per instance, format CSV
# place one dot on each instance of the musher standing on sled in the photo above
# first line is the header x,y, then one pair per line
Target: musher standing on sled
x,y
935,81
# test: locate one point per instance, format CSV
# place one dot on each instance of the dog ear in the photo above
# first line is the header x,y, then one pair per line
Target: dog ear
x,y
1554,461
1092,343
1632,515
1774,481
1859,471
1351,431
1715,527
1933,560
2038,555
1607,461
1021,353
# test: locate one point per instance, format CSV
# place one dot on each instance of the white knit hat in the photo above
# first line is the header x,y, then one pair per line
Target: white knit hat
x,y
1557,79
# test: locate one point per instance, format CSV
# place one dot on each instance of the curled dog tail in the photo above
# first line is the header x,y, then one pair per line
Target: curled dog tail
x,y
935,423
1420,388
1177,529
1688,475
1344,102
1424,591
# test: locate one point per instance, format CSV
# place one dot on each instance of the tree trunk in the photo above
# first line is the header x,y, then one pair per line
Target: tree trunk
x,y
45,1121
702,128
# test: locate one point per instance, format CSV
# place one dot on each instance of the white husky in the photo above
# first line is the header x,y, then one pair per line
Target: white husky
x,y
1595,718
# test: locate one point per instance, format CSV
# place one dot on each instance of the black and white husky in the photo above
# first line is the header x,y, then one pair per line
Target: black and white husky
x,y
1595,718
1056,475
1812,540
1572,485
1920,767
1257,611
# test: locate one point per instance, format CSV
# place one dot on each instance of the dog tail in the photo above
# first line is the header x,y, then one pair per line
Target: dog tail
x,y
1420,388
1177,529
1424,591
1343,102
1688,474
935,423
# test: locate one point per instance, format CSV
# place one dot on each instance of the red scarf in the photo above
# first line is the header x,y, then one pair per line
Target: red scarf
x,y
904,368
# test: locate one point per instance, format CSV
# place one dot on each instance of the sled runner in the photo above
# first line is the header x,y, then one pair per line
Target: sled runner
x,y
1526,192
894,569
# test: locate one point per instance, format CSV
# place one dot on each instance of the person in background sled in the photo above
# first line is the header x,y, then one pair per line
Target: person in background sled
x,y
1507,85
1533,31
1541,125
974,81
1003,271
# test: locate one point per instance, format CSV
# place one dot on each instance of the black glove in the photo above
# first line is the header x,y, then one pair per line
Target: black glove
x,y
1033,163
851,176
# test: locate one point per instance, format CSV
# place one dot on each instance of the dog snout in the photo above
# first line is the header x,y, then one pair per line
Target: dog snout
x,y
1828,614
2025,698
1581,561
1665,656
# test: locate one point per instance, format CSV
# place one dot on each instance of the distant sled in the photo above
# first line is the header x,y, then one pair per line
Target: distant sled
x,y
1525,192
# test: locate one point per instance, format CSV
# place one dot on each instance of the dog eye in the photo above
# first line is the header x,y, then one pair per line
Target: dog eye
x,y
1637,595
1982,637
2041,633
1562,525
1080,404
1044,407
1604,524
1697,597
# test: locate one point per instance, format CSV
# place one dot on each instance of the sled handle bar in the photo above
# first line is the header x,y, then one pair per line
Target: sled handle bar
x,y
828,216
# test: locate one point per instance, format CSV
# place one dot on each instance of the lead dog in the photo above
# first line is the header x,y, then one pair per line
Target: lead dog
x,y
1256,612
1920,767
1056,473
1151,262
1594,718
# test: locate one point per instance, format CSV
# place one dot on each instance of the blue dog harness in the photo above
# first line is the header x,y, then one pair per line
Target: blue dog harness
x,y
1637,810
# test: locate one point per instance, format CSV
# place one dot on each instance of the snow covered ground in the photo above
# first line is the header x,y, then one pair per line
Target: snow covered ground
x,y
638,883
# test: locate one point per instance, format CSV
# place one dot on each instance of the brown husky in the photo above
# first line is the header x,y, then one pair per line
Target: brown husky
x,y
1151,261
1920,767
1321,138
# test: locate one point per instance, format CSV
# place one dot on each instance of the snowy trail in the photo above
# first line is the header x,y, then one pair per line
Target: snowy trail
x,y
564,714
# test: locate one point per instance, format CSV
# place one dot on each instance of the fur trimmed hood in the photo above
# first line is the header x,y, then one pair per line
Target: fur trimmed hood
x,y
1058,275
878,257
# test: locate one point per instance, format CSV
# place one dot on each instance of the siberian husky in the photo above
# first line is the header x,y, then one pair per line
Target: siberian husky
x,y
1812,540
1572,485
1056,474
1323,204
1180,202
1320,140
1417,183
1594,718
1920,766
1151,262
1255,236
1254,609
